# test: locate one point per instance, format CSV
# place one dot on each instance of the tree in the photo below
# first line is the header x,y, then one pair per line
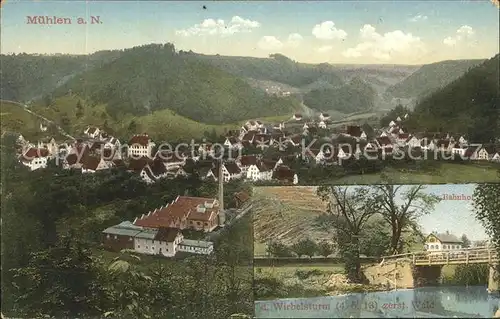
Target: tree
x,y
132,127
278,249
487,206
79,109
376,238
348,210
392,115
60,281
305,247
402,214
465,240
325,249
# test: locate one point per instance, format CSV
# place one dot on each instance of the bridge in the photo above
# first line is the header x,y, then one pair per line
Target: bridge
x,y
480,255
416,269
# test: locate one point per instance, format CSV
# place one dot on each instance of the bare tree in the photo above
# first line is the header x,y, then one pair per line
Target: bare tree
x,y
348,210
401,209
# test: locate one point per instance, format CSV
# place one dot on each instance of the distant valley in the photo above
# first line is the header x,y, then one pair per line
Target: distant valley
x,y
160,84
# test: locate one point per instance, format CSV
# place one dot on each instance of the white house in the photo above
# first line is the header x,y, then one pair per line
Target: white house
x,y
496,157
392,124
384,143
253,125
35,158
140,145
324,116
43,128
442,242
259,172
159,241
112,143
280,126
398,119
196,246
297,117
485,153
363,136
92,132
245,161
50,145
344,152
413,142
230,171
154,171
322,124
459,149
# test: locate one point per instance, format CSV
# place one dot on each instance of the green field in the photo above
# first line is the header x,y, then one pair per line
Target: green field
x,y
289,270
15,119
448,173
259,249
160,125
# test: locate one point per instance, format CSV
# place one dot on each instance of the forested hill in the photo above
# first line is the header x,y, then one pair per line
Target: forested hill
x,y
354,96
27,76
468,105
153,77
277,68
431,77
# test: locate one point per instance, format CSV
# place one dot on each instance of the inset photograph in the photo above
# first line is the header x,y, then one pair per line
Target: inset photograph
x,y
377,251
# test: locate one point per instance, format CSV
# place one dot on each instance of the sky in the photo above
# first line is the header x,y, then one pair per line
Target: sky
x,y
455,216
351,32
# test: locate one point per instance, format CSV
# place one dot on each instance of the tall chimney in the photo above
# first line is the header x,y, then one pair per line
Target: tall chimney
x,y
222,214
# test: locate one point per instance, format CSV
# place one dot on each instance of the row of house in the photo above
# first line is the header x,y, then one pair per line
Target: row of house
x,y
99,151
159,232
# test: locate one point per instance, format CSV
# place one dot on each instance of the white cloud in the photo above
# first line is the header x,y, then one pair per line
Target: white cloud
x,y
418,17
327,31
463,33
384,46
324,49
294,40
269,43
220,27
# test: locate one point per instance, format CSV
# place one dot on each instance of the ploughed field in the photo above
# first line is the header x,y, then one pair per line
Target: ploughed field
x,y
287,214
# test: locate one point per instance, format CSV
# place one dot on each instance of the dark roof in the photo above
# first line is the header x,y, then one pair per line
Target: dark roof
x,y
90,162
443,143
138,164
140,139
33,153
241,196
354,130
232,168
283,173
167,234
157,167
384,140
447,238
262,138
232,140
247,160
248,136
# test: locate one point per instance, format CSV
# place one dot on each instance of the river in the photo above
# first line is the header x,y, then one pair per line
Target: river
x,y
428,302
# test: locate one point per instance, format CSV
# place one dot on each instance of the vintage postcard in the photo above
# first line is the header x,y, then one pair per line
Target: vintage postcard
x,y
154,152
378,251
